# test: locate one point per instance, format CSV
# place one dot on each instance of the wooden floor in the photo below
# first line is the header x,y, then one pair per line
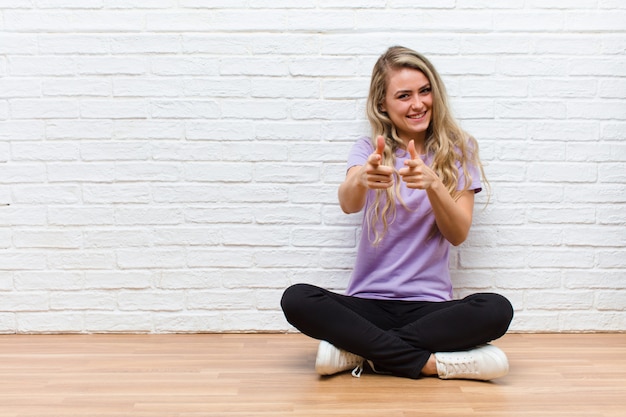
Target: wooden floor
x,y
272,375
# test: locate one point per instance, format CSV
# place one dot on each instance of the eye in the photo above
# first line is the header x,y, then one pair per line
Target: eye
x,y
426,90
403,96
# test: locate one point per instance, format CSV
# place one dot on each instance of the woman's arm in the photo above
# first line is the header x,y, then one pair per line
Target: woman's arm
x,y
352,192
453,218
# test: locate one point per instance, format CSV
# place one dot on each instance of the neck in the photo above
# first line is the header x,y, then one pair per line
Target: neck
x,y
420,144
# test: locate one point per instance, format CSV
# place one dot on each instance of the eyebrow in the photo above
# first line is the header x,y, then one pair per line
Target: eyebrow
x,y
410,91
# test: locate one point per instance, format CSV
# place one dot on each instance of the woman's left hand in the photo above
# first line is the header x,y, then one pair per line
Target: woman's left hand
x,y
416,174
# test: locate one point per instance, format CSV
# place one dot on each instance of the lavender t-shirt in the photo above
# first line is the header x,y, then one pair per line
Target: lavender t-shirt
x,y
411,262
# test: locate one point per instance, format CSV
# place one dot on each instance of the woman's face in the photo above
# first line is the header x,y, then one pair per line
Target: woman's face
x,y
408,103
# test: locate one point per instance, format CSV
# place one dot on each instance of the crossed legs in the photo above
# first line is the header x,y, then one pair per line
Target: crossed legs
x,y
397,336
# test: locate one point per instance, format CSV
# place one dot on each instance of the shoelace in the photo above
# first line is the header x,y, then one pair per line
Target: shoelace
x,y
461,367
356,372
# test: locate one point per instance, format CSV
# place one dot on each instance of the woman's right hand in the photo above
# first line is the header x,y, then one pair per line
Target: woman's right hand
x,y
374,175
360,178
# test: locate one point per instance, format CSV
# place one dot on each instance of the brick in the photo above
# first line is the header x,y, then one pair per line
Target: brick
x,y
612,88
256,278
184,66
254,109
81,260
594,21
138,4
32,239
612,258
153,258
114,109
73,20
562,172
148,129
78,129
115,194
43,109
219,258
260,20
264,236
596,279
293,173
597,193
184,109
186,279
115,151
528,21
148,216
607,110
612,214
323,238
95,172
45,151
185,236
118,322
216,87
574,44
151,300
90,44
327,109
219,214
151,87
599,321
430,20
253,67
286,258
287,88
23,216
22,173
611,67
116,238
182,322
283,43
560,258
84,300
145,43
564,130
50,322
80,216
611,300
18,43
157,171
115,280
22,88
81,87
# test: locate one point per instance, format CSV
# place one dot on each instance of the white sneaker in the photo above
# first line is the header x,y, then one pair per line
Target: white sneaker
x,y
331,360
483,363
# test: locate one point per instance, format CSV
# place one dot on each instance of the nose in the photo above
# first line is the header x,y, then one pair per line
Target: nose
x,y
416,103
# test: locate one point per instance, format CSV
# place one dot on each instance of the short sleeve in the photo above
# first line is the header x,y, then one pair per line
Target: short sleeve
x,y
360,151
474,172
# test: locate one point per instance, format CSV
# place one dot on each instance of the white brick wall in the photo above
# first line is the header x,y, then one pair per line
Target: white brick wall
x,y
172,165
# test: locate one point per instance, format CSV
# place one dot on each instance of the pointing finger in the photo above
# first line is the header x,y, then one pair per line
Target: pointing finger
x,y
380,145
411,148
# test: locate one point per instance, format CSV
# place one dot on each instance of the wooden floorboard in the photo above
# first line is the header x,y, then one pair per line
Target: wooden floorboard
x,y
552,375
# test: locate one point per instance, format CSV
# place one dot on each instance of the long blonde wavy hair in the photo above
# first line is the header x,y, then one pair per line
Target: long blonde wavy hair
x,y
445,140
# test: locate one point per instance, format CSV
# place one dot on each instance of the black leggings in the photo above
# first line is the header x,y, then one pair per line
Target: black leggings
x,y
397,336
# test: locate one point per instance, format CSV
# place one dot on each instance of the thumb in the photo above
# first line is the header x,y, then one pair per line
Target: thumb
x,y
380,145
411,148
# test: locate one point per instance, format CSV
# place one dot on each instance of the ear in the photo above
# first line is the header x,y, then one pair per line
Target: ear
x,y
382,108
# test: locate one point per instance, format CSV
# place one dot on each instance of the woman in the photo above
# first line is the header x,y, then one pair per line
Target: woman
x,y
416,182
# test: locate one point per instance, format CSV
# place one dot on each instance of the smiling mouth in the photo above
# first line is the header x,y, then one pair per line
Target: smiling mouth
x,y
417,116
